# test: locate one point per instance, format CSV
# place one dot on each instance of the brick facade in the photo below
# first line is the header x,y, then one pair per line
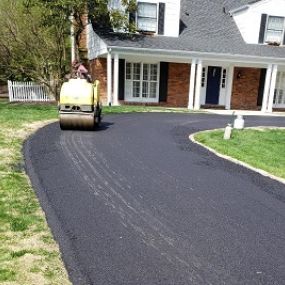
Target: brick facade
x,y
98,70
178,84
244,92
245,88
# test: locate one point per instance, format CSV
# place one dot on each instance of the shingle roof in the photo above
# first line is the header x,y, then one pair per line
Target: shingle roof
x,y
206,26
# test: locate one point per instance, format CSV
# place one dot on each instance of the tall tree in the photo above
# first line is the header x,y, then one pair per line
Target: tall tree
x,y
34,42
31,47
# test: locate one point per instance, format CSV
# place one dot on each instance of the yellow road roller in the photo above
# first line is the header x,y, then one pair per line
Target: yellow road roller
x,y
79,105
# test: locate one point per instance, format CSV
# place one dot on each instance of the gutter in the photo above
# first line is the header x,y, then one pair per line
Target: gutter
x,y
239,9
202,55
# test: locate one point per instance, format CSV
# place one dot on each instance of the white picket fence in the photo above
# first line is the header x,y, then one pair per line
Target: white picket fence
x,y
28,92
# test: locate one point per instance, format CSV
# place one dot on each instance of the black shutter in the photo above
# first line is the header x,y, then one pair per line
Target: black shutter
x,y
262,28
121,79
132,17
284,39
261,86
163,82
161,12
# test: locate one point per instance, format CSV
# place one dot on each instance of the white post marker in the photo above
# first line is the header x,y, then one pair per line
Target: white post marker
x,y
228,132
239,122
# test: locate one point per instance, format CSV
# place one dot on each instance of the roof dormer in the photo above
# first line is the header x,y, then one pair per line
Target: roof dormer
x,y
262,22
272,30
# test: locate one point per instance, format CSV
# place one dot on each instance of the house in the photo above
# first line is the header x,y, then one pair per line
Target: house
x,y
224,54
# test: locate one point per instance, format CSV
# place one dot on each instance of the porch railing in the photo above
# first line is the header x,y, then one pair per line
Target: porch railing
x,y
28,92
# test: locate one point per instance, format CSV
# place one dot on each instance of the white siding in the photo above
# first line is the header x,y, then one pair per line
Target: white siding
x,y
248,20
95,45
172,18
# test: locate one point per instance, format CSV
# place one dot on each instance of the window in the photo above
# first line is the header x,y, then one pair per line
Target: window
x,y
279,95
142,81
147,17
128,71
224,78
136,79
275,29
203,77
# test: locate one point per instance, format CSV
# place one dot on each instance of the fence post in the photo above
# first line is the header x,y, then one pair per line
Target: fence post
x,y
9,91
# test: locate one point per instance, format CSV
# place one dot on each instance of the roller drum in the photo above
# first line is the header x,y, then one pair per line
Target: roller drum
x,y
73,121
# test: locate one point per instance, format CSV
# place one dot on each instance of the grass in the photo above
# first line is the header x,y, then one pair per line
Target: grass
x,y
140,109
260,148
28,253
26,242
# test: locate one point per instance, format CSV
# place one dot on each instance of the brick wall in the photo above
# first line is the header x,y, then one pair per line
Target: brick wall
x,y
178,85
98,70
245,88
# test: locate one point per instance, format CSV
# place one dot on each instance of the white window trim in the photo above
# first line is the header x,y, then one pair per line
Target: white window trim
x,y
157,15
141,99
266,29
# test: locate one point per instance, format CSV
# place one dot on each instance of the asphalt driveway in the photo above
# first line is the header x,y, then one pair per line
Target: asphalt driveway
x,y
137,203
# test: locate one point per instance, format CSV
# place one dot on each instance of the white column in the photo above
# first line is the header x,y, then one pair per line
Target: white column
x,y
198,85
266,88
109,79
192,85
72,39
272,88
229,87
116,81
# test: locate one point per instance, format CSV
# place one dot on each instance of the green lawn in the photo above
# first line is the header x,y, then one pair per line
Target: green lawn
x,y
28,253
261,148
140,109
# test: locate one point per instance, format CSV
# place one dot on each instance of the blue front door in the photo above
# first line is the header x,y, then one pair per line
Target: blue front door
x,y
213,85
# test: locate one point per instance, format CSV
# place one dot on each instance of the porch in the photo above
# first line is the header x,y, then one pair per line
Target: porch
x,y
193,83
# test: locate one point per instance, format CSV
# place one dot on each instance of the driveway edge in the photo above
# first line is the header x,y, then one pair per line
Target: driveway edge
x,y
73,268
234,160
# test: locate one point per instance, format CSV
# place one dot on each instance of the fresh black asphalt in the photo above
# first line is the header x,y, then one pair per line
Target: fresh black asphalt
x,y
136,203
